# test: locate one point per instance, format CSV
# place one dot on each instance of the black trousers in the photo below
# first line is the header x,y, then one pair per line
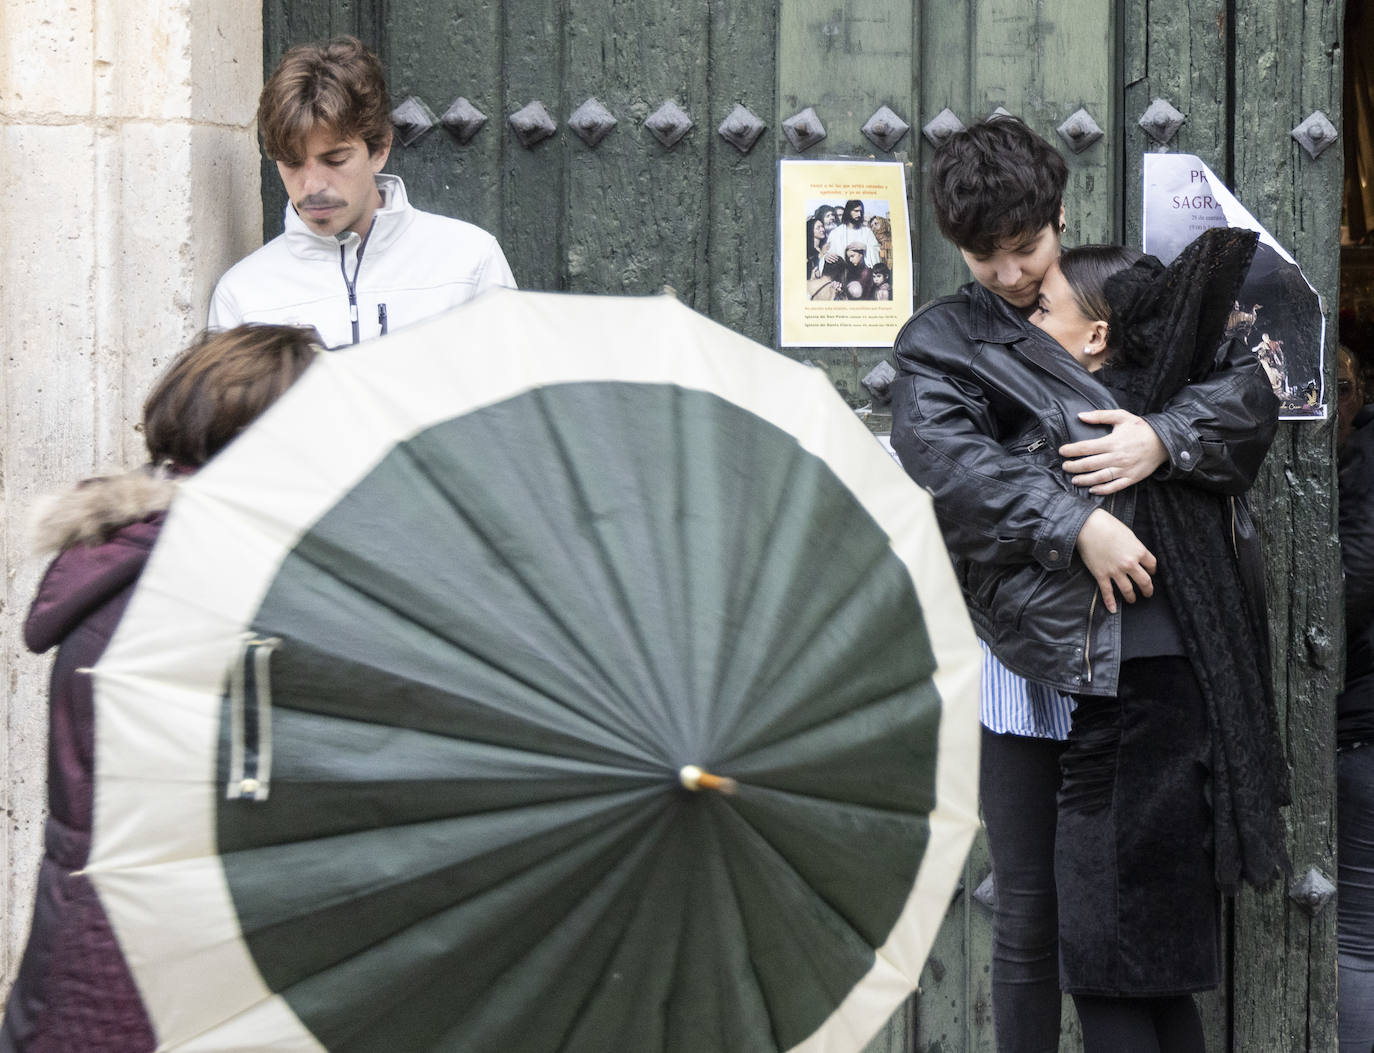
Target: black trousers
x,y
1019,783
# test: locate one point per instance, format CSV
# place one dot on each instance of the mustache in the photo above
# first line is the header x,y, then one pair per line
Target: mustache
x,y
318,201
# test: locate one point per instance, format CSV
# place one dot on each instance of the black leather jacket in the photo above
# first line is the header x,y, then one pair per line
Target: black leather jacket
x,y
980,406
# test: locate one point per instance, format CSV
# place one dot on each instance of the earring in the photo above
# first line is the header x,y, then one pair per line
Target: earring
x,y
1063,227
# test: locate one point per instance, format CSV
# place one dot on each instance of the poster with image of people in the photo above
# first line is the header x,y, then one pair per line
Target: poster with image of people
x,y
1278,313
844,253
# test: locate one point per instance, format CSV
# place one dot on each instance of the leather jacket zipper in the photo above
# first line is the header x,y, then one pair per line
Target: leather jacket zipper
x,y
1092,610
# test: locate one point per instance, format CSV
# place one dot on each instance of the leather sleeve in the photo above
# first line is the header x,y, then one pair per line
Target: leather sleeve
x,y
994,506
1218,430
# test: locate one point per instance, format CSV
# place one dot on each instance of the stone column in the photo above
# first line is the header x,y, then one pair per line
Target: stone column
x,y
129,161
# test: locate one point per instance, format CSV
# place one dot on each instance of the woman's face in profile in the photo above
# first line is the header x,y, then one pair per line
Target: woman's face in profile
x,y
817,230
1058,314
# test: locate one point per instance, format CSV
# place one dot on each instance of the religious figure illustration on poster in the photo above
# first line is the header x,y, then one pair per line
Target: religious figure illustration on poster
x,y
1278,313
844,253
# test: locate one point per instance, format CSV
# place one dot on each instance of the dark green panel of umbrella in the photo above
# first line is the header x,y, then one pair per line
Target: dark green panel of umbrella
x,y
498,650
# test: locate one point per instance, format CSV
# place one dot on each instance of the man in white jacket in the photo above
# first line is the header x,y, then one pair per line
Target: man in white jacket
x,y
356,260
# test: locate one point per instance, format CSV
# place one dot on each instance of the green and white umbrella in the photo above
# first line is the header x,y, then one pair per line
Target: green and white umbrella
x,y
394,743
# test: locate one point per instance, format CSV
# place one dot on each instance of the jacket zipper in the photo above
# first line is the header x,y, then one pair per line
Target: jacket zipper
x,y
351,286
352,283
1092,610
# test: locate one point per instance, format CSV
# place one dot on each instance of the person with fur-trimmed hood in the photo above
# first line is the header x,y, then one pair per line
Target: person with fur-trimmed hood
x,y
74,990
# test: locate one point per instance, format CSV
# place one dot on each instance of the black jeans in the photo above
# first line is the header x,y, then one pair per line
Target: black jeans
x,y
1019,785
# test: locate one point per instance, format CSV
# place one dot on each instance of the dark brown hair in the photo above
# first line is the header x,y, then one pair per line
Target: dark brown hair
x,y
220,385
338,86
1086,268
996,182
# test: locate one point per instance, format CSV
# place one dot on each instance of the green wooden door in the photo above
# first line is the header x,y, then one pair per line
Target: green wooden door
x,y
631,216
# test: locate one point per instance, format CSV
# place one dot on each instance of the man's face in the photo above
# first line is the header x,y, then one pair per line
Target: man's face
x,y
332,186
828,218
855,216
1016,267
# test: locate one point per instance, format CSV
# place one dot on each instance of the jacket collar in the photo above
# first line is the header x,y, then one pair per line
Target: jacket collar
x,y
993,320
104,529
388,223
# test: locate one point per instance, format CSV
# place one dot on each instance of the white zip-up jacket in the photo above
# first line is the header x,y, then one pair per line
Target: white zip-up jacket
x,y
413,265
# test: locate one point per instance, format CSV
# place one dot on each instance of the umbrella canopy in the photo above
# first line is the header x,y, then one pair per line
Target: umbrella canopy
x,y
391,741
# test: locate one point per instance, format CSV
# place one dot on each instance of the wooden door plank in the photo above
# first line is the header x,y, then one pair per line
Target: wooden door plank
x,y
637,211
945,74
1176,50
954,1005
1288,63
439,54
533,184
1044,62
739,249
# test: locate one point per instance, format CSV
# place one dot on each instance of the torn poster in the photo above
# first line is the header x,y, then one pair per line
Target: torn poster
x,y
1278,313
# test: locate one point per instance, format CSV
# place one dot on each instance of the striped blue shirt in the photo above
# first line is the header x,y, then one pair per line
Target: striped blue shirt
x,y
1012,705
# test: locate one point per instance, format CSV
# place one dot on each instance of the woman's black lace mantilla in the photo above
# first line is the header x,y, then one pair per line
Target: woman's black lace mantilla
x,y
1167,327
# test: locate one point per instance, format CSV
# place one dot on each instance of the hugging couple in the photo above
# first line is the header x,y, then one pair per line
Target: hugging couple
x,y
1088,435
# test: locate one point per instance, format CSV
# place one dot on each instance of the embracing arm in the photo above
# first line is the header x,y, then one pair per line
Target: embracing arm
x,y
994,506
1213,434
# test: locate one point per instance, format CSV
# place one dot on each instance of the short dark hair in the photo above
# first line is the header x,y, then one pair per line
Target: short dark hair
x,y
1086,269
995,182
338,86
220,385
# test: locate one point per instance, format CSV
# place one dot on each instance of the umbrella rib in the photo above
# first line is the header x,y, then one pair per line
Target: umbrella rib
x,y
653,820
612,816
607,565
507,670
878,568
732,885
607,683
751,832
750,591
380,716
608,962
283,993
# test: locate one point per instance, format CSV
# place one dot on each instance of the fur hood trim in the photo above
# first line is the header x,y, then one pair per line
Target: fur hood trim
x,y
95,508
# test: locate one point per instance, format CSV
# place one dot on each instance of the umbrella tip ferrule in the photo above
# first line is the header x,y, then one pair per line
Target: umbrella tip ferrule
x,y
695,779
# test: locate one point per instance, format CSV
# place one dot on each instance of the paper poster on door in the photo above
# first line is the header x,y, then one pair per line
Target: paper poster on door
x,y
1278,313
844,253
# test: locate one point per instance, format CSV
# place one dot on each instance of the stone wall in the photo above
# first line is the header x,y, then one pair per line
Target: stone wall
x,y
130,163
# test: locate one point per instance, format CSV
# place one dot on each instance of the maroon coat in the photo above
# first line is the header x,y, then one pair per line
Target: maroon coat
x,y
74,990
